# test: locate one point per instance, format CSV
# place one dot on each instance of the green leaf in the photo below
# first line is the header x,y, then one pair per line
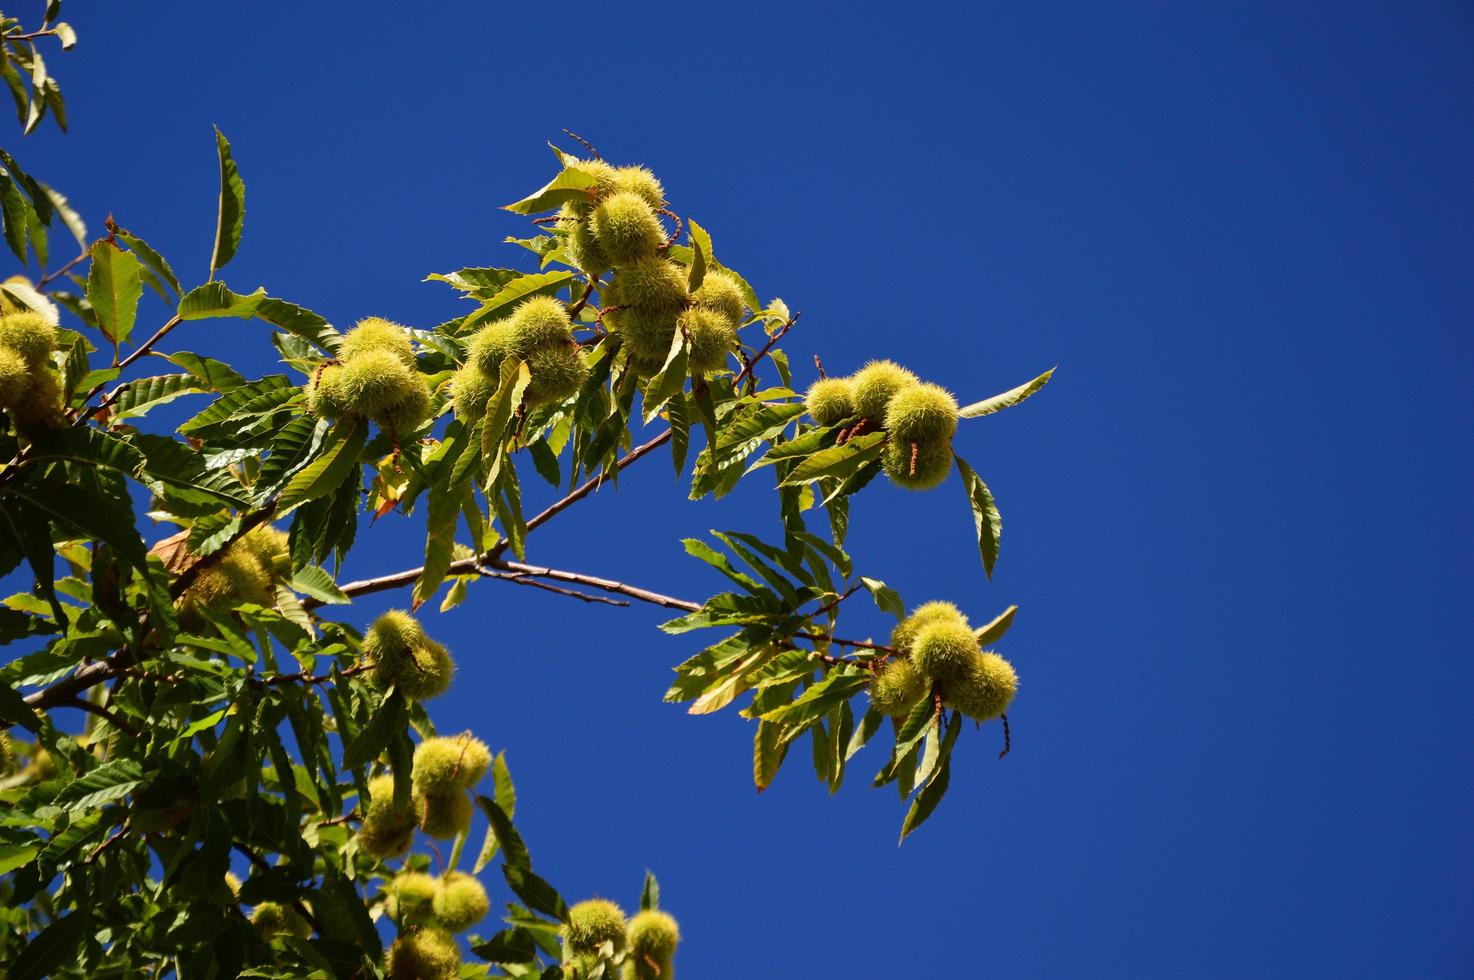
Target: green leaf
x,y
838,461
1006,400
886,598
108,782
297,321
514,379
669,381
994,631
15,711
212,374
444,511
57,945
506,835
806,444
318,583
985,515
16,213
143,394
508,946
480,282
756,422
932,792
537,893
768,751
232,216
837,687
213,299
114,288
14,856
569,185
101,516
700,252
389,719
150,258
514,292
650,894
337,461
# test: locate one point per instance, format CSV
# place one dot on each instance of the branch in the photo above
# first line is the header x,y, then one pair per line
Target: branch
x,y
41,283
588,291
747,368
588,487
520,578
110,717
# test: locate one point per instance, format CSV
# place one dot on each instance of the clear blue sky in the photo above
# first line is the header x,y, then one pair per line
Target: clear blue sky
x,y
1237,523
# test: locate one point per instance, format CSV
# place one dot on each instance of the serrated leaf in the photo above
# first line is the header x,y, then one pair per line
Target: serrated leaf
x,y
506,835
55,946
537,893
837,687
214,299
837,461
389,719
318,583
985,516
569,185
886,598
514,292
768,752
444,512
337,461
114,288
151,259
232,212
935,788
297,321
650,893
700,252
108,782
1006,400
994,631
143,394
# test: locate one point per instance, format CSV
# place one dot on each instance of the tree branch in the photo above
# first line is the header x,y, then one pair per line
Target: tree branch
x,y
82,704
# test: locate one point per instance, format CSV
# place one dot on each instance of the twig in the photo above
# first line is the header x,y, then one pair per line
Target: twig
x,y
586,144
521,578
588,487
763,352
820,366
63,270
1007,738
675,234
588,291
108,716
837,600
97,851
262,863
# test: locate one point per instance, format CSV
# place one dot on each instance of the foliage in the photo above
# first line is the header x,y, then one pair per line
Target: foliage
x,y
228,718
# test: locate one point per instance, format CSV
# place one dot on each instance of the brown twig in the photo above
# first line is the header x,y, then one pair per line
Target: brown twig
x,y
111,717
763,351
605,311
586,144
521,578
50,276
583,300
819,365
675,234
915,449
97,851
262,863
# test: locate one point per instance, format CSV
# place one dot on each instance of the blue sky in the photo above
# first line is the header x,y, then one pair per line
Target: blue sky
x,y
1237,522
